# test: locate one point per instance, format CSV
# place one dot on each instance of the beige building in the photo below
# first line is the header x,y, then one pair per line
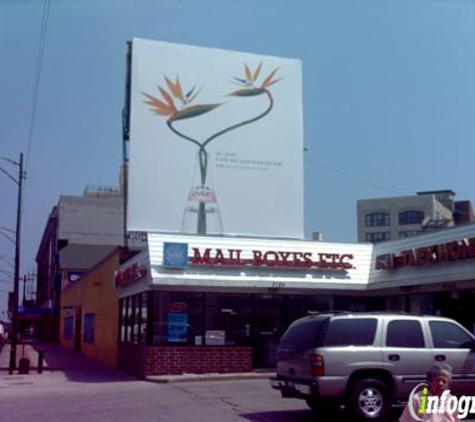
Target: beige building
x,y
383,219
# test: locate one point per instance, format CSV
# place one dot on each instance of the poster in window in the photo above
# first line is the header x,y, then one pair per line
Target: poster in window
x,y
177,327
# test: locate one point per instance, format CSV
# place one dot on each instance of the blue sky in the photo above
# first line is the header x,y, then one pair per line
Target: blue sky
x,y
388,88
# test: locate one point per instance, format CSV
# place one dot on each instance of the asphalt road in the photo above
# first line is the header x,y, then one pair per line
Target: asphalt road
x,y
115,397
55,398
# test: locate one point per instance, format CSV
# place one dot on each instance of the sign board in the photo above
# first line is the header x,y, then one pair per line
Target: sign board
x,y
175,255
216,142
215,337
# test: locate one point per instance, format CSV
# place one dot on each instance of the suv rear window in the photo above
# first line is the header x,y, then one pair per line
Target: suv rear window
x,y
351,332
303,334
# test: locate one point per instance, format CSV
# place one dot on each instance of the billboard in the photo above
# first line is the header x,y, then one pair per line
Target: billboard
x,y
216,142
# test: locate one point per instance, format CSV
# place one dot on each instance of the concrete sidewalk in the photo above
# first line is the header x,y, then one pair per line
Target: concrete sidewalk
x,y
71,365
210,377
23,350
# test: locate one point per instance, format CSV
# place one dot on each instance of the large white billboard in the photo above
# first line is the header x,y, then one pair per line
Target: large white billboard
x,y
216,142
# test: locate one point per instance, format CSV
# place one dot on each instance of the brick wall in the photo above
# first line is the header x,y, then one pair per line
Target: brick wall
x,y
166,360
174,360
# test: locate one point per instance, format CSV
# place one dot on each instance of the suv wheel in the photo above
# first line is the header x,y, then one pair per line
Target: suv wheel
x,y
369,399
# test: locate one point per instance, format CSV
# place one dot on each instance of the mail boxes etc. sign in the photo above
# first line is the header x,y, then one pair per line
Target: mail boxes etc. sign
x,y
455,250
255,258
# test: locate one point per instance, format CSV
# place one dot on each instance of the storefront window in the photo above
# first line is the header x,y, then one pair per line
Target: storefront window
x,y
228,320
133,319
302,305
143,319
178,318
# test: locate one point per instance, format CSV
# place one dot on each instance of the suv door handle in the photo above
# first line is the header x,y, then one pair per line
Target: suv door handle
x,y
394,358
440,358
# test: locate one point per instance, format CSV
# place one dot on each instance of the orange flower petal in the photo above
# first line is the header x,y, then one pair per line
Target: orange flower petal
x,y
167,98
268,80
158,106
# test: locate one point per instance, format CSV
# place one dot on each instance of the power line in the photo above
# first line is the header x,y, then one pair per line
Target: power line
x,y
6,228
6,261
39,66
355,178
7,237
8,273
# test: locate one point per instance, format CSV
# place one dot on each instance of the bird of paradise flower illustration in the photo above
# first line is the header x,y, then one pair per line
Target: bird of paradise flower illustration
x,y
167,106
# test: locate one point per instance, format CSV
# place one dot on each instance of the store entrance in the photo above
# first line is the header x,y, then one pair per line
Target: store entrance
x,y
268,330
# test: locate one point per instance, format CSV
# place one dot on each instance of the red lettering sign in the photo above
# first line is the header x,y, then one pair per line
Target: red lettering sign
x,y
271,258
427,255
129,275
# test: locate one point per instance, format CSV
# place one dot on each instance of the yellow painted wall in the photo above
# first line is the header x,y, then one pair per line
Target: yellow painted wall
x,y
95,293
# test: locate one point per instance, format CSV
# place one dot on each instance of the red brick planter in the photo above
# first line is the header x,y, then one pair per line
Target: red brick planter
x,y
172,360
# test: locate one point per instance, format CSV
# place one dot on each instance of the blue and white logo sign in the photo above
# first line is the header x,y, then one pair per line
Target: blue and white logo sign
x,y
175,255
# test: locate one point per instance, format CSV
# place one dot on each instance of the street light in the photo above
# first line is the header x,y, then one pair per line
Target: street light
x,y
16,277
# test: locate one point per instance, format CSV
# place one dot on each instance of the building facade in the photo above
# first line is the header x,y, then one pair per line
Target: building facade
x,y
89,311
196,304
384,219
80,231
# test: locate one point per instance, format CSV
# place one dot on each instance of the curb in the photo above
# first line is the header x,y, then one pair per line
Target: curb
x,y
207,377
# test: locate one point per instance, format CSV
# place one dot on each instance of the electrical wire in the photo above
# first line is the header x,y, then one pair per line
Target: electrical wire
x,y
39,67
355,178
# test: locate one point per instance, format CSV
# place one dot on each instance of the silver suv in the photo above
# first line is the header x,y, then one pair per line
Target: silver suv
x,y
369,361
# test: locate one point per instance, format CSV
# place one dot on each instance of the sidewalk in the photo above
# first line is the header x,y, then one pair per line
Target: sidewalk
x,y
59,364
210,377
70,365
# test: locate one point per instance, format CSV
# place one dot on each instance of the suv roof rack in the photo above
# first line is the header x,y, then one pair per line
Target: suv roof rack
x,y
327,312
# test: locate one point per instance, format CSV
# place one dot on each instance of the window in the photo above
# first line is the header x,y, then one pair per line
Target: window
x,y
447,335
351,332
411,217
232,315
303,334
89,328
377,219
377,237
68,328
405,333
133,319
178,318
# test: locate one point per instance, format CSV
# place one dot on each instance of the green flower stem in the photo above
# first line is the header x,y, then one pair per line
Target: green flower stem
x,y
203,156
246,122
181,135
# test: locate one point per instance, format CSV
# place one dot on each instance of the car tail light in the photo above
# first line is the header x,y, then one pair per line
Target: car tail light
x,y
318,368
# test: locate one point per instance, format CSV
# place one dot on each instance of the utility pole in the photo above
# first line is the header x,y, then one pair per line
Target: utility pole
x,y
16,276
24,290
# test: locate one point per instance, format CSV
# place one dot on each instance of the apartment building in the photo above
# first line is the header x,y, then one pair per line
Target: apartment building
x,y
383,219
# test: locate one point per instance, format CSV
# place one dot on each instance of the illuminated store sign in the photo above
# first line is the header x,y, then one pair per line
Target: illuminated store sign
x,y
428,255
281,259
